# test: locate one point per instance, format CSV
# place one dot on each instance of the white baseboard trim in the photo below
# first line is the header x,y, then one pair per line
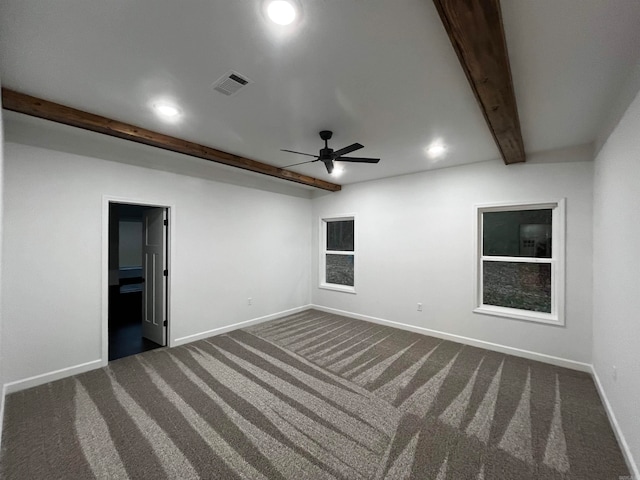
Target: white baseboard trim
x,y
4,394
626,451
540,357
43,378
235,326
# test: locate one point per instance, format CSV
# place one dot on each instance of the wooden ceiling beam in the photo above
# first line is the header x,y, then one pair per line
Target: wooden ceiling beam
x,y
37,107
477,35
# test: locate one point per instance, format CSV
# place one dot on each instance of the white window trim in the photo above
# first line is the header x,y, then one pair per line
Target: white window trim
x,y
323,252
557,261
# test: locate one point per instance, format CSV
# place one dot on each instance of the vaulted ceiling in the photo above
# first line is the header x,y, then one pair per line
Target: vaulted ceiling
x,y
377,72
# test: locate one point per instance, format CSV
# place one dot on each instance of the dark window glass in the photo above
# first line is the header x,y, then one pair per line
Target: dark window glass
x,y
526,286
340,269
340,235
521,233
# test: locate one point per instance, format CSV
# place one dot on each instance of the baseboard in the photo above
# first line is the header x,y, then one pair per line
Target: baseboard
x,y
50,376
43,378
235,326
540,357
626,451
4,394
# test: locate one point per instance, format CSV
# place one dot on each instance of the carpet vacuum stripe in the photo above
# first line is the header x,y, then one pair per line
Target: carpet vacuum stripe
x,y
313,396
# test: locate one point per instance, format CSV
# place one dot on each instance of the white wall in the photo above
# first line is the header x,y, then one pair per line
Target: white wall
x,y
230,243
416,244
616,318
1,237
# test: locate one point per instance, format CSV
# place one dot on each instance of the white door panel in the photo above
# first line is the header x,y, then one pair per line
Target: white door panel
x,y
155,282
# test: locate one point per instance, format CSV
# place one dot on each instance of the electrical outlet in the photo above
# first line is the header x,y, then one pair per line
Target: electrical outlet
x,y
614,373
249,301
419,307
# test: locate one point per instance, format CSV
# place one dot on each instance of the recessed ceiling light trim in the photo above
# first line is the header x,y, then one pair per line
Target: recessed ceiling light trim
x,y
436,149
282,12
166,110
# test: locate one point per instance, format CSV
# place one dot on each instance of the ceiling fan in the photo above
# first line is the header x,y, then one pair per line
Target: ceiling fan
x,y
328,155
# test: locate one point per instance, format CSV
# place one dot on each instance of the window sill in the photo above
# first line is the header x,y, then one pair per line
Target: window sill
x,y
338,288
517,314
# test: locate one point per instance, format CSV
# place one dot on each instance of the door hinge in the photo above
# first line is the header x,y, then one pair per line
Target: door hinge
x,y
164,323
166,222
166,273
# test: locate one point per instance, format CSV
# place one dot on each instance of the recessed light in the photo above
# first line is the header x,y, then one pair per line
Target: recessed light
x,y
436,149
281,12
337,171
166,110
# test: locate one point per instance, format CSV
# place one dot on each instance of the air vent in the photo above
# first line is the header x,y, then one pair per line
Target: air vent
x,y
230,83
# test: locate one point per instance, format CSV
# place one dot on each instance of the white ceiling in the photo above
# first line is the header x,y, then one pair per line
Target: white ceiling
x,y
378,72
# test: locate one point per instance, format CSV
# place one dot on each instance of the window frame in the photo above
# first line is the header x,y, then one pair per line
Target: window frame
x,y
324,252
557,262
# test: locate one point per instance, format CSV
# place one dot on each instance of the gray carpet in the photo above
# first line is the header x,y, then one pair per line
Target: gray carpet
x,y
313,396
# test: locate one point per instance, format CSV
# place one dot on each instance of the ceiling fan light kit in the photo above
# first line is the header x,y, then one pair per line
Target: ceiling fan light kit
x,y
328,155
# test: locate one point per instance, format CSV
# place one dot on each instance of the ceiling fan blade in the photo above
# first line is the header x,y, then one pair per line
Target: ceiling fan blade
x,y
299,153
357,159
349,149
329,166
301,163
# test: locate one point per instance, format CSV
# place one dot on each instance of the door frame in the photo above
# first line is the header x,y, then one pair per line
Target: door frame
x,y
171,216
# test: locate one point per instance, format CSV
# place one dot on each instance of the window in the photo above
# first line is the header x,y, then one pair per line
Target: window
x,y
520,262
337,253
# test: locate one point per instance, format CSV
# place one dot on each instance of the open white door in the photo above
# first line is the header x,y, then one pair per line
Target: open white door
x,y
154,271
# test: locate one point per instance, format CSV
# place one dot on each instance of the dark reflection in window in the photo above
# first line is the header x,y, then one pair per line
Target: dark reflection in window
x,y
522,233
340,235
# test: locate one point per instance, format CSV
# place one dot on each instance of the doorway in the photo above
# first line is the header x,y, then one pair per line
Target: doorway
x,y
138,278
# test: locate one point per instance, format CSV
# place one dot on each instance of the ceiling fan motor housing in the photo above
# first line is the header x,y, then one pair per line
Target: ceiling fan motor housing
x,y
326,154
